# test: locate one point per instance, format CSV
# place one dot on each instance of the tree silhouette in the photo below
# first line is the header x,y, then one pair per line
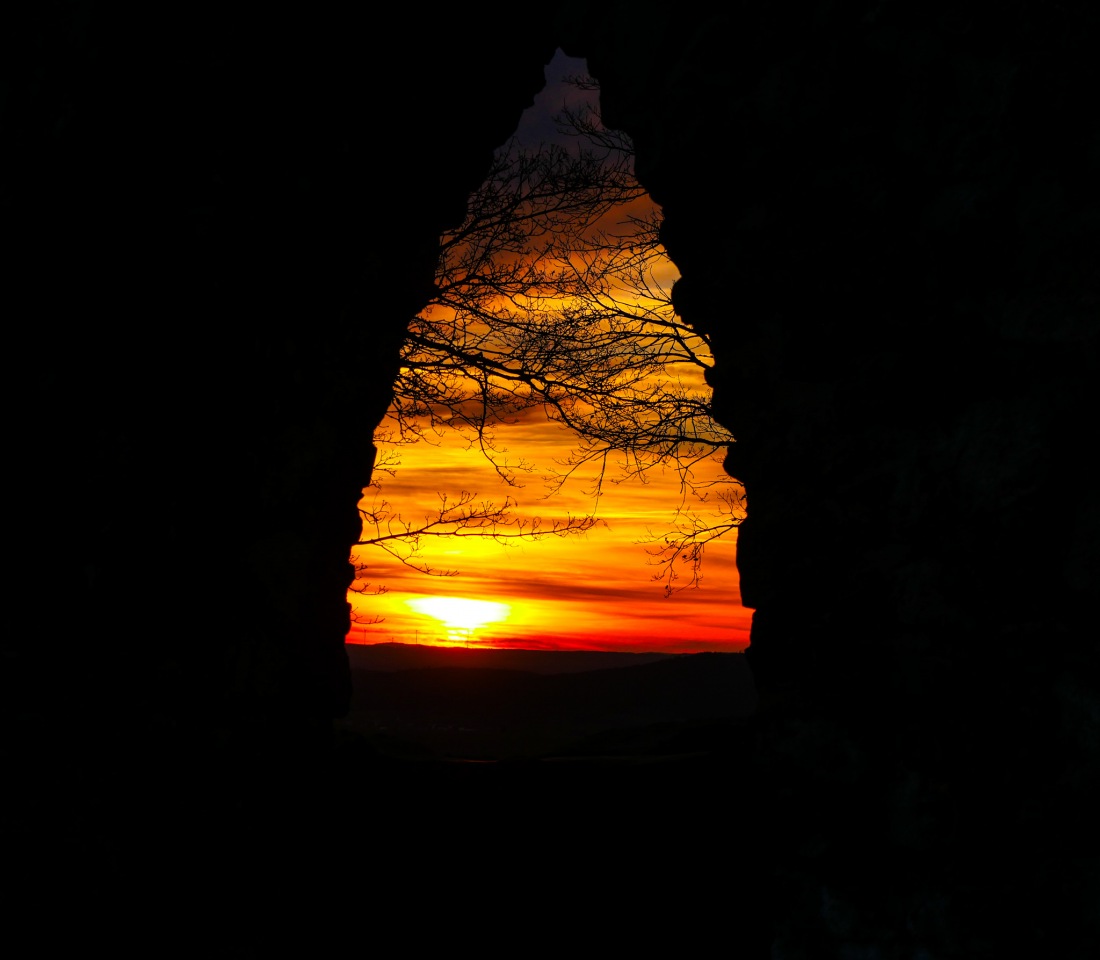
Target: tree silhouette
x,y
459,516
550,302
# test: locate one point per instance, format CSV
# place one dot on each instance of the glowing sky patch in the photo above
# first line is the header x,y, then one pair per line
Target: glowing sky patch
x,y
460,612
601,590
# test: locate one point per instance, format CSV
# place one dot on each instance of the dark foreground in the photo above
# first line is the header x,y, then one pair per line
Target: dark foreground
x,y
524,804
537,800
454,704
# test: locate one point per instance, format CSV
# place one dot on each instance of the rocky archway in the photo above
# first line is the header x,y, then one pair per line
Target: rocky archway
x,y
885,217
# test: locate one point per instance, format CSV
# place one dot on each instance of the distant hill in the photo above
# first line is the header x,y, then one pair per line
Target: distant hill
x,y
494,704
408,656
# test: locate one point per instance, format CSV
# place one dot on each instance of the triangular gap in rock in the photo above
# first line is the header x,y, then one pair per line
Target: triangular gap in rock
x,y
505,356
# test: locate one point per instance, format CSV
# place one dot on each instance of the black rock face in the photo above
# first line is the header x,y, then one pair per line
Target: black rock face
x,y
886,219
220,224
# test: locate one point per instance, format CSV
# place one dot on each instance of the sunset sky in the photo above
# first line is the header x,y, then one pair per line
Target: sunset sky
x,y
595,590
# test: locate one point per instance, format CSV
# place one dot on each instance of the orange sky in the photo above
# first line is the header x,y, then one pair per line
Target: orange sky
x,y
593,591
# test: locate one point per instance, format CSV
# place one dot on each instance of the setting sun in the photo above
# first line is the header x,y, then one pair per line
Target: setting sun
x,y
460,615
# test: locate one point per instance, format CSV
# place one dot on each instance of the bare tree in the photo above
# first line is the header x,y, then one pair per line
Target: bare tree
x,y
719,510
460,516
549,299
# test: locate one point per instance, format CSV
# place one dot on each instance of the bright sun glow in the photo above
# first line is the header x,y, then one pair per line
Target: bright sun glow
x,y
461,616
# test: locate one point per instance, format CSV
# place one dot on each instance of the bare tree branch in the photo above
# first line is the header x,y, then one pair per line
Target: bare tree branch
x,y
464,516
686,545
549,298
